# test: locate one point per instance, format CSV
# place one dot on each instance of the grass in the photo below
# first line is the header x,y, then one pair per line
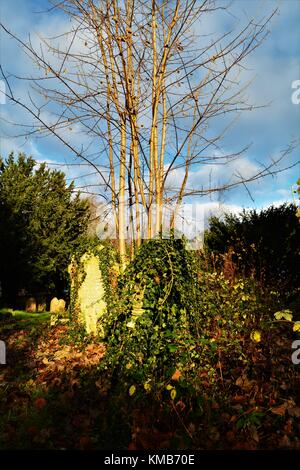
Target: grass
x,y
21,319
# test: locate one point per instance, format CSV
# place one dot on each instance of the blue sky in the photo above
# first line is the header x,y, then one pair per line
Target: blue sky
x,y
275,65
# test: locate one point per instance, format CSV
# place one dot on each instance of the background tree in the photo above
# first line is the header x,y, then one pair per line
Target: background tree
x,y
265,245
42,222
151,95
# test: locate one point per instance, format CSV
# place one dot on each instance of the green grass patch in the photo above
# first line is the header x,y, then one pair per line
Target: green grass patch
x,y
22,319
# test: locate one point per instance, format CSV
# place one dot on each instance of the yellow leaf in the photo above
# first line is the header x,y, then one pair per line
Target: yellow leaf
x,y
288,316
256,336
132,390
169,387
296,326
173,393
284,314
245,297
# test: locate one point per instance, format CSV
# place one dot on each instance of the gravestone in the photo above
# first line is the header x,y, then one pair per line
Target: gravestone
x,y
87,289
61,305
57,305
41,307
30,306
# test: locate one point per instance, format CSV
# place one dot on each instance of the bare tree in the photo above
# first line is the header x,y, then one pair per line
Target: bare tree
x,y
145,87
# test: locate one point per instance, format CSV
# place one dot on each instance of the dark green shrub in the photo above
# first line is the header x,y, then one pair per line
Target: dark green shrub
x,y
265,245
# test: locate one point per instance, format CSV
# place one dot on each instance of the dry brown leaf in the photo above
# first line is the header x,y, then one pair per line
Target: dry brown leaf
x,y
177,374
40,403
279,410
284,441
295,412
244,383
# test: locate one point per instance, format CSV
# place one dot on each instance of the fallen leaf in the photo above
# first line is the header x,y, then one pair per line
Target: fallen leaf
x,y
284,441
279,410
238,399
244,383
85,442
177,374
132,446
39,403
294,412
288,427
230,436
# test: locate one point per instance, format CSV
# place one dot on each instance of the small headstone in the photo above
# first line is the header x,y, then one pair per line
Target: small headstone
x,y
54,305
42,307
57,306
61,305
30,306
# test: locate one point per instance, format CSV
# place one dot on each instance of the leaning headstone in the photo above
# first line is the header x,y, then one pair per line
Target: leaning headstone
x,y
30,306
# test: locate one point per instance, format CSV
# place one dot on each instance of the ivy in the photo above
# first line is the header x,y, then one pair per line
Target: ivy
x,y
173,321
153,322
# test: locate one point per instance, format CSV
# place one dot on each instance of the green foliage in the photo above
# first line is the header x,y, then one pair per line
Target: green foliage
x,y
265,245
41,224
173,322
154,319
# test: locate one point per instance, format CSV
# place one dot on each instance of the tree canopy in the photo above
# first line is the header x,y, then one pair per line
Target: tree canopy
x,y
151,106
42,222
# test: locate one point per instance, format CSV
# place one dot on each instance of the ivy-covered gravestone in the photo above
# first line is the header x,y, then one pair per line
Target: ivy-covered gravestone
x,y
90,288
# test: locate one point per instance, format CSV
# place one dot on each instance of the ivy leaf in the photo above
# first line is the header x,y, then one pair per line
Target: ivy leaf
x,y
296,326
284,314
172,347
256,336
